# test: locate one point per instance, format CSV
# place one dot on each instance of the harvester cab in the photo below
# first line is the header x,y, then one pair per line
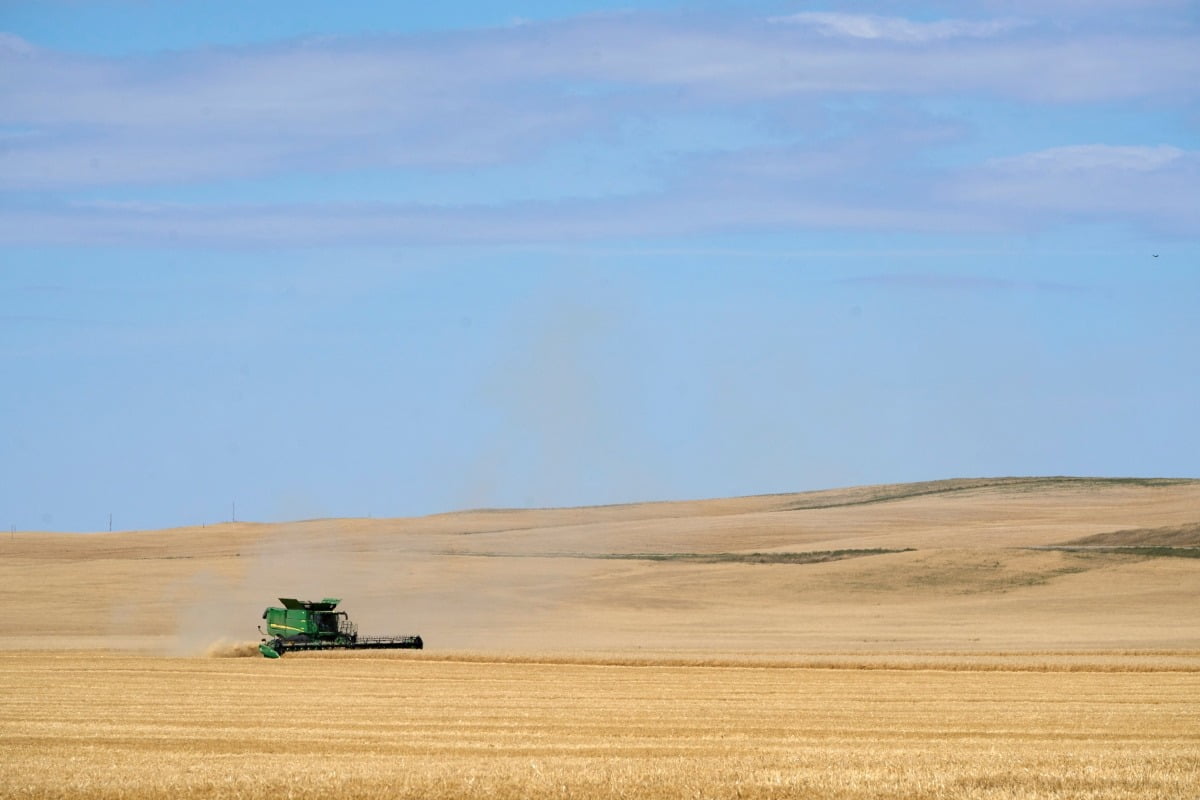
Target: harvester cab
x,y
310,625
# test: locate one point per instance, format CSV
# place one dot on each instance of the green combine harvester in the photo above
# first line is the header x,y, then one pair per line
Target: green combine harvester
x,y
305,625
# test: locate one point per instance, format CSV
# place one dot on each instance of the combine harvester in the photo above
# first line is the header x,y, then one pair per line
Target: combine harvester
x,y
303,625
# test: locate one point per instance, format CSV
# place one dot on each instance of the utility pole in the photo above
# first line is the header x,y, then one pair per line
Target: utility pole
x,y
234,513
110,522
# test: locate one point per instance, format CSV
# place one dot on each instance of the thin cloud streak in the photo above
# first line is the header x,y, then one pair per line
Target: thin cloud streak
x,y
1090,157
460,100
897,29
1156,187
959,283
83,135
1005,195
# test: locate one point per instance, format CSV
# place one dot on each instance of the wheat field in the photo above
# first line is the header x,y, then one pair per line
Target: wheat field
x,y
108,726
1013,638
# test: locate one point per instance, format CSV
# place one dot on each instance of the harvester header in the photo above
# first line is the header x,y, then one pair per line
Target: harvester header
x,y
310,625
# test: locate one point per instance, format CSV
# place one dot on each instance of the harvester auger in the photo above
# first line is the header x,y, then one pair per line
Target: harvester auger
x,y
304,625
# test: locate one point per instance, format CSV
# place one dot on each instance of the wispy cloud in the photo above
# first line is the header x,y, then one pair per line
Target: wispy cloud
x,y
958,283
1153,186
501,95
74,127
1140,8
1085,157
768,190
11,45
896,29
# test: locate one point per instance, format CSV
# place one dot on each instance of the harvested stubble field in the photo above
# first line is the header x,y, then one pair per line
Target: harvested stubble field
x,y
1013,638
87,725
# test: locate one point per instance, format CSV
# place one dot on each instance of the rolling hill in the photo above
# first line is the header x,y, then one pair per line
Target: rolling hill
x,y
1053,565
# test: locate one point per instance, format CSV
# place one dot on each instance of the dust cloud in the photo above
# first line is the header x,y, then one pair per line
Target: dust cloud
x,y
394,577
223,649
570,405
565,400
210,610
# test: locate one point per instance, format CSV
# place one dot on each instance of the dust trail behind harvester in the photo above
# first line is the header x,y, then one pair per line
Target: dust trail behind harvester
x,y
395,577
224,649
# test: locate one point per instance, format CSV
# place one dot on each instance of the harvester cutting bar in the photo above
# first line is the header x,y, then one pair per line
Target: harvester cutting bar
x,y
282,646
388,643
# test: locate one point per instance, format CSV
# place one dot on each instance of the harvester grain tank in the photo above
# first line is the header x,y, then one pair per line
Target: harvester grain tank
x,y
307,625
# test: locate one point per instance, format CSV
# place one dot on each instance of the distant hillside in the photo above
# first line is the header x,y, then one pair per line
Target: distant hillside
x,y
967,564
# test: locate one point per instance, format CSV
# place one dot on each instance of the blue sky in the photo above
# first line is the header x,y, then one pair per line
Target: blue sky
x,y
350,261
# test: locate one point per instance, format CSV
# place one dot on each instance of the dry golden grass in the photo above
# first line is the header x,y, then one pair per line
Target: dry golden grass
x,y
1123,661
539,580
87,725
969,666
